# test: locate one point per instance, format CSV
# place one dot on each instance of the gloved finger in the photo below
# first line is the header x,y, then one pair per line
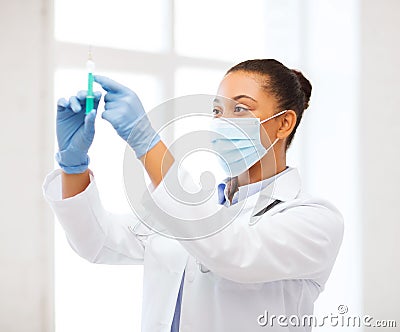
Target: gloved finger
x,y
81,95
111,96
88,127
62,104
75,104
97,97
108,84
108,116
110,105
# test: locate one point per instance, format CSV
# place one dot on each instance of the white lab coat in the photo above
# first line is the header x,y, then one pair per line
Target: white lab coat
x,y
279,264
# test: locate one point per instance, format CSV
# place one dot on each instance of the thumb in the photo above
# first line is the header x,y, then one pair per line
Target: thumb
x,y
88,129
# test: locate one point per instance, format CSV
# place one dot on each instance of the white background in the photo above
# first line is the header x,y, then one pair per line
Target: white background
x,y
346,147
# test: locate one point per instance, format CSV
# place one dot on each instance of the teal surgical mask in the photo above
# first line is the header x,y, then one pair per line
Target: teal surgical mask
x,y
237,143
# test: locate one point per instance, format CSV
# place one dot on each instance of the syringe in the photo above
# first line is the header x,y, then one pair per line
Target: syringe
x,y
90,95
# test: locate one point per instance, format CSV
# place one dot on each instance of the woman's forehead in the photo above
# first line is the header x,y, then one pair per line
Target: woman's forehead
x,y
238,83
243,83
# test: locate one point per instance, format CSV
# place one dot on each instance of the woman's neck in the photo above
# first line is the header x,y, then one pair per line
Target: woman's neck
x,y
268,166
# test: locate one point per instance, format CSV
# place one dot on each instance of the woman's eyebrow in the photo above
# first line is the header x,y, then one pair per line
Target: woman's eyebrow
x,y
236,98
243,96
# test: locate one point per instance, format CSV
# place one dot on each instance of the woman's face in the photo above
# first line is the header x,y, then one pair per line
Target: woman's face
x,y
244,90
245,97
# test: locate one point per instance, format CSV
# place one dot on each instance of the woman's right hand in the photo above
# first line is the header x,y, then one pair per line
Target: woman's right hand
x,y
75,132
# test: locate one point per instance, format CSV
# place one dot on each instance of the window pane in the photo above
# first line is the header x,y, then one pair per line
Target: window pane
x,y
126,24
91,297
189,80
226,30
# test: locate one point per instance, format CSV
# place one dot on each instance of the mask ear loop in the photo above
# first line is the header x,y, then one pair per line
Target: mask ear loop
x,y
277,139
274,116
272,145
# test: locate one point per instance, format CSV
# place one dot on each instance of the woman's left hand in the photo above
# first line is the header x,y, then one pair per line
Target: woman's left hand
x,y
125,112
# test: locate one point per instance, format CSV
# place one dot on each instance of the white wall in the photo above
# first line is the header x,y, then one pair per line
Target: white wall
x,y
379,119
26,141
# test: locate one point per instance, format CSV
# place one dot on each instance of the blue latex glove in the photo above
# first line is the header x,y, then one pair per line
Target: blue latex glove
x,y
124,110
75,132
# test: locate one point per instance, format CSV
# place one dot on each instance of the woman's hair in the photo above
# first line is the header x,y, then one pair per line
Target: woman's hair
x,y
290,88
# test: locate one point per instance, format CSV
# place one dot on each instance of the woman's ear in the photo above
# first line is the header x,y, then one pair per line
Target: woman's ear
x,y
287,124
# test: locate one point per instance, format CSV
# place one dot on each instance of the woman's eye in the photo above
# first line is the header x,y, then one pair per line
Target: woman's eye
x,y
241,109
216,111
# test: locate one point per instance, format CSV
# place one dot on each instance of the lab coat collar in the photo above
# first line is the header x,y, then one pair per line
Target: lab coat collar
x,y
284,188
254,188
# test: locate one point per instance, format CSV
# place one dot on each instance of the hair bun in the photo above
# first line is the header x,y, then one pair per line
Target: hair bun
x,y
305,86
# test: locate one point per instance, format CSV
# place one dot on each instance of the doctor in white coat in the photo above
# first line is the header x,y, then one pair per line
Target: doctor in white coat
x,y
265,268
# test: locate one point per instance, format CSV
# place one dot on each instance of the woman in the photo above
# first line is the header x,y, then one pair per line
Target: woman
x,y
249,273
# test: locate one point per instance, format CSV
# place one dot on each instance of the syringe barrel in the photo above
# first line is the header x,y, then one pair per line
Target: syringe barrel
x,y
90,94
